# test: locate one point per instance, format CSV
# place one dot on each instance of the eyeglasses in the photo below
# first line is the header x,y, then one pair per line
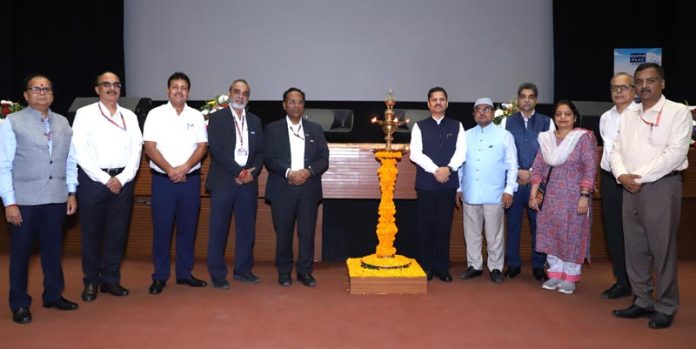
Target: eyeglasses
x,y
107,84
483,110
620,88
41,90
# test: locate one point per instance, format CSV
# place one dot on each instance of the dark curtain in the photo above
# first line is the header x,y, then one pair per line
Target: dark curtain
x,y
586,33
69,41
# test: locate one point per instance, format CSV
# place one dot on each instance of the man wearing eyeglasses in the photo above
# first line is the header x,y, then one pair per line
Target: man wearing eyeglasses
x,y
235,136
296,155
487,181
38,178
650,152
438,148
108,143
622,93
175,141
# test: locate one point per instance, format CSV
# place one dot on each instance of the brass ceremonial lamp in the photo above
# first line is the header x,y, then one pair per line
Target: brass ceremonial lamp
x,y
385,256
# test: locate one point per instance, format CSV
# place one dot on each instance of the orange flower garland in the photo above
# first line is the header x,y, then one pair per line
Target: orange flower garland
x,y
386,226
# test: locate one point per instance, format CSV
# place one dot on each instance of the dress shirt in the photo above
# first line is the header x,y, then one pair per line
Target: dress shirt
x,y
422,160
8,148
296,134
652,143
608,128
176,135
99,144
241,126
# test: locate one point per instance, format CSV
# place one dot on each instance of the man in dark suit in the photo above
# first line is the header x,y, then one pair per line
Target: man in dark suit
x,y
235,141
525,126
296,157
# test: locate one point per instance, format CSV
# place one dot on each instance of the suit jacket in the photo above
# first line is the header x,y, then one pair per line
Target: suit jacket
x,y
277,149
222,139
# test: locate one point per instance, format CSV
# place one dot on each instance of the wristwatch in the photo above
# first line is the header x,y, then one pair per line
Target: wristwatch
x,y
72,193
587,195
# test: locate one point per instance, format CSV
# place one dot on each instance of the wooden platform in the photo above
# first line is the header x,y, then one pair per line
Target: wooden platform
x,y
362,281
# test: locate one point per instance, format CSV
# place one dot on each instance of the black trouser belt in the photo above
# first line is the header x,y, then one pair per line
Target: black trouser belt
x,y
113,171
192,173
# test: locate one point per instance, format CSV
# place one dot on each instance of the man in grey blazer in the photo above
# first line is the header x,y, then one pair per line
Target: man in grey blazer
x,y
235,141
296,157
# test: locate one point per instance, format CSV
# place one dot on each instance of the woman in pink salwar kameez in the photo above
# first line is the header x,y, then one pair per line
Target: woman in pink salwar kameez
x,y
564,220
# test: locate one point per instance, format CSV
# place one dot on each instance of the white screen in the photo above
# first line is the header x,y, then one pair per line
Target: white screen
x,y
341,49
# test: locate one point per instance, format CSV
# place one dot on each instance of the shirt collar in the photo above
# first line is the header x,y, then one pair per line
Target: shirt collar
x,y
38,114
287,119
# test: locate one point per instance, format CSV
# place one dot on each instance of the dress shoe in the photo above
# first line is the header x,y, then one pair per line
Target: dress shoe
x,y
221,284
660,320
306,279
540,274
496,276
248,278
632,312
21,315
157,287
616,291
444,276
284,279
115,289
192,281
470,273
61,304
512,272
89,293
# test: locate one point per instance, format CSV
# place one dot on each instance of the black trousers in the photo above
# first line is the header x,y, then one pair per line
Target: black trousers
x,y
294,206
104,220
612,200
435,212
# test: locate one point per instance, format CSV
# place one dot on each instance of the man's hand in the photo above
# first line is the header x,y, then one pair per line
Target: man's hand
x,y
523,177
114,185
13,215
178,174
245,176
442,174
299,177
458,199
506,200
628,181
72,205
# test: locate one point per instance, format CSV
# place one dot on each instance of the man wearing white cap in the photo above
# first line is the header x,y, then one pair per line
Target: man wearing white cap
x,y
487,181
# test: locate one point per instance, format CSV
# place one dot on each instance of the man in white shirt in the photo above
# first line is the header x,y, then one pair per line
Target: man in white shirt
x,y
438,147
650,151
622,93
175,141
108,143
487,181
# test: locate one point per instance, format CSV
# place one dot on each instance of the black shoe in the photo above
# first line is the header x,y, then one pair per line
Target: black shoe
x,y
192,281
471,273
444,276
115,289
21,315
157,287
660,320
284,279
632,312
221,284
512,272
616,291
540,274
429,275
61,304
306,279
89,293
496,276
249,278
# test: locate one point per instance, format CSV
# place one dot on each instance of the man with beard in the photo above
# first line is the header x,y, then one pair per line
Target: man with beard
x,y
438,147
235,139
175,141
650,152
108,143
525,126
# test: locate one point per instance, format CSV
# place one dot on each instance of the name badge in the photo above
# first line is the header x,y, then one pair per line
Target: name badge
x,y
242,152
